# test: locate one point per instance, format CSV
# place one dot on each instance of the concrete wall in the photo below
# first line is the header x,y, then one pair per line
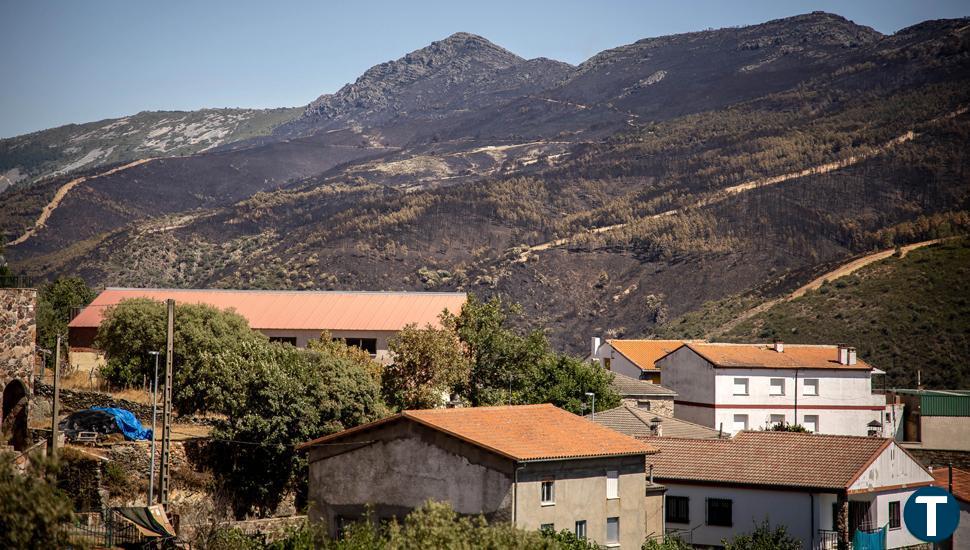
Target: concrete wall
x,y
961,537
946,432
18,334
689,375
580,494
400,466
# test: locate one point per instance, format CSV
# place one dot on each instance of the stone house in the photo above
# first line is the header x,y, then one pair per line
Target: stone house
x,y
535,466
644,394
18,334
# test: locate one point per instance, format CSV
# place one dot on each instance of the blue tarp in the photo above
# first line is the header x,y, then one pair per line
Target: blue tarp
x,y
127,423
869,540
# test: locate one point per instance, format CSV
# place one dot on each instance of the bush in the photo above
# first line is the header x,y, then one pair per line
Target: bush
x,y
32,509
764,538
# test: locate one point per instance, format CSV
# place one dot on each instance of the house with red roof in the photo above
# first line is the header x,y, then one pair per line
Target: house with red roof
x,y
736,387
822,488
535,466
364,319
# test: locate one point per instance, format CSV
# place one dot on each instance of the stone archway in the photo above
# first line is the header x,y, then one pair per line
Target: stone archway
x,y
14,417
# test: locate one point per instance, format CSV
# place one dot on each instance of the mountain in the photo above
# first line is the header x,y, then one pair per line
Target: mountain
x,y
32,157
607,198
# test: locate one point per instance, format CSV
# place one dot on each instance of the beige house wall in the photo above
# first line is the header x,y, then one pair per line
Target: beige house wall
x,y
945,432
303,338
580,494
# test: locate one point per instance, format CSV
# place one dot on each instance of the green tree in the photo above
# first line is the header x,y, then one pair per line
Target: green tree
x,y
509,367
668,543
428,364
55,301
282,396
134,327
32,509
764,538
786,427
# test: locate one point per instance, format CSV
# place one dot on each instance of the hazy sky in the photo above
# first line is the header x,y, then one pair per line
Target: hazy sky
x,y
79,61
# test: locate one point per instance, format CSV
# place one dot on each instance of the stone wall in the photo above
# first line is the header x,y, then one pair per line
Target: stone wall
x,y
941,457
18,334
662,406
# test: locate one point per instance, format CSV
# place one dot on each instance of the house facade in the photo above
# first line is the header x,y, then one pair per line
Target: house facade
x,y
735,387
535,466
367,320
633,358
822,488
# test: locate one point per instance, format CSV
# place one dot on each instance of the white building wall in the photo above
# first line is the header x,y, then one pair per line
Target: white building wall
x,y
893,467
690,376
899,537
617,361
793,509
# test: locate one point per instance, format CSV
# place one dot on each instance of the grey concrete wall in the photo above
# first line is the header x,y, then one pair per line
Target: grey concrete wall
x,y
946,432
580,494
400,466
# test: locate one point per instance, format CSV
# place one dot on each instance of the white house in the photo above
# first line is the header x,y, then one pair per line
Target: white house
x,y
737,387
633,358
810,483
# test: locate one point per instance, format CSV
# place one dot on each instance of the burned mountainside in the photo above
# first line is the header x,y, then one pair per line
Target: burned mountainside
x,y
607,198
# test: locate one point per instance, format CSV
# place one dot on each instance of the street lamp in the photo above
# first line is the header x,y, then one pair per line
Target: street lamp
x,y
151,468
592,396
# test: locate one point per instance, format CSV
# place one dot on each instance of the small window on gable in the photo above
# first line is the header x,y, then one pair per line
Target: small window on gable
x,y
777,386
740,386
810,386
606,363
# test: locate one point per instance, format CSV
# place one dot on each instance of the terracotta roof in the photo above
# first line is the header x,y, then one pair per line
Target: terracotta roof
x,y
297,310
644,353
627,386
519,432
764,356
636,422
776,459
961,482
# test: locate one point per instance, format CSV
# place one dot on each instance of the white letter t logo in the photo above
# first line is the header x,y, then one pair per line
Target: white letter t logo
x,y
931,503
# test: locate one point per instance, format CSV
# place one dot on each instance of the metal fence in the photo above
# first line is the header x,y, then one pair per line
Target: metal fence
x,y
104,530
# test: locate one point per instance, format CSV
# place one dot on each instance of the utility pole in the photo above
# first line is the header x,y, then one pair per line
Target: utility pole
x,y
167,408
57,397
151,472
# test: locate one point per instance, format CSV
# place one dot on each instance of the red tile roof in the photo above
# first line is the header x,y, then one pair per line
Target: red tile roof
x,y
298,310
644,353
764,356
961,482
774,459
520,432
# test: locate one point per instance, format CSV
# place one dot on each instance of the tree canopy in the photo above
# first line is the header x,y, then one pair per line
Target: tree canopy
x,y
55,301
428,366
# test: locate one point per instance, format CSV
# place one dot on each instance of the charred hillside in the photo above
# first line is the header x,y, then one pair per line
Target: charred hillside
x,y
606,198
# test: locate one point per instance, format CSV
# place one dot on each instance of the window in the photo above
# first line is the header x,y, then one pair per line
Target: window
x,y
810,387
894,522
645,405
776,419
612,531
548,492
777,386
740,422
581,529
719,512
550,527
678,509
612,484
606,363
367,344
291,340
811,422
740,386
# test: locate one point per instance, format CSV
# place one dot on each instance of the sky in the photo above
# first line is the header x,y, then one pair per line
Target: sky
x,y
66,61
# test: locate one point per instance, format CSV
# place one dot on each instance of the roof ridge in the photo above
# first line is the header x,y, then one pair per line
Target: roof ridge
x,y
281,291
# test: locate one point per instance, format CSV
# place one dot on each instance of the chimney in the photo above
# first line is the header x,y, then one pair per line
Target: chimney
x,y
655,423
843,354
594,346
851,356
779,346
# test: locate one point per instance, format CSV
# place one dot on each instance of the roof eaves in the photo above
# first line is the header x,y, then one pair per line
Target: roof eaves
x,y
349,431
